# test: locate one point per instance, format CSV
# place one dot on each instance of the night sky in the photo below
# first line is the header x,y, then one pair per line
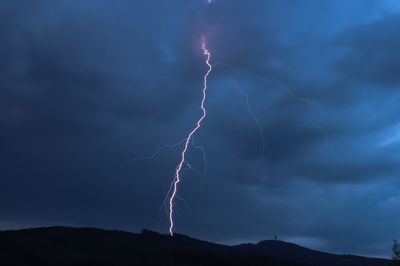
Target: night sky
x,y
87,87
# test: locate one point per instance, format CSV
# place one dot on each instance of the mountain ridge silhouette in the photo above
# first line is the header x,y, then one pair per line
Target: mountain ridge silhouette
x,y
59,246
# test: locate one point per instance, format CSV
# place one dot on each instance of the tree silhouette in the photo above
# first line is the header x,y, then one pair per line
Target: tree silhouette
x,y
396,252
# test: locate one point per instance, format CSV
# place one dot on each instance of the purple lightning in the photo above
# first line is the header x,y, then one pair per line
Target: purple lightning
x,y
178,170
290,92
254,117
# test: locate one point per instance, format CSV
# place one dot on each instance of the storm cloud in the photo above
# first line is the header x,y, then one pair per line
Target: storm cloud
x,y
88,87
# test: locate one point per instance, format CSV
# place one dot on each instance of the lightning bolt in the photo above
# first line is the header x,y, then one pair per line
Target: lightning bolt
x,y
306,101
182,162
158,151
309,104
255,119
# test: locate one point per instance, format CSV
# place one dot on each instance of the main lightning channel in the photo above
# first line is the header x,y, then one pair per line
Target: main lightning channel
x,y
178,170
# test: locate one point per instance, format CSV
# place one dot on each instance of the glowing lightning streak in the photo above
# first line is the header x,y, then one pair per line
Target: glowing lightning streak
x,y
177,178
306,101
309,106
158,151
255,118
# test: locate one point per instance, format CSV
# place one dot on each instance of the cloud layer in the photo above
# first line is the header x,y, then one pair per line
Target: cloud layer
x,y
87,88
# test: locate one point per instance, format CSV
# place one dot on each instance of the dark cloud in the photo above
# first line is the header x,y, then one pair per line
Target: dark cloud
x,y
88,87
371,55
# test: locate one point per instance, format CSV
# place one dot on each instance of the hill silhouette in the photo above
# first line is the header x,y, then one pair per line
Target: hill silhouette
x,y
59,246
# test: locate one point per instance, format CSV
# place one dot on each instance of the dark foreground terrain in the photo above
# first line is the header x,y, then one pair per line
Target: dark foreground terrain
x,y
86,246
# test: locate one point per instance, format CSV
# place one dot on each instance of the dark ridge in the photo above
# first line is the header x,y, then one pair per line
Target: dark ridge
x,y
62,246
293,252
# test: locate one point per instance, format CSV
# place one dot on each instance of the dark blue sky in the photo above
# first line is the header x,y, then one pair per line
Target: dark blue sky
x,y
88,86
